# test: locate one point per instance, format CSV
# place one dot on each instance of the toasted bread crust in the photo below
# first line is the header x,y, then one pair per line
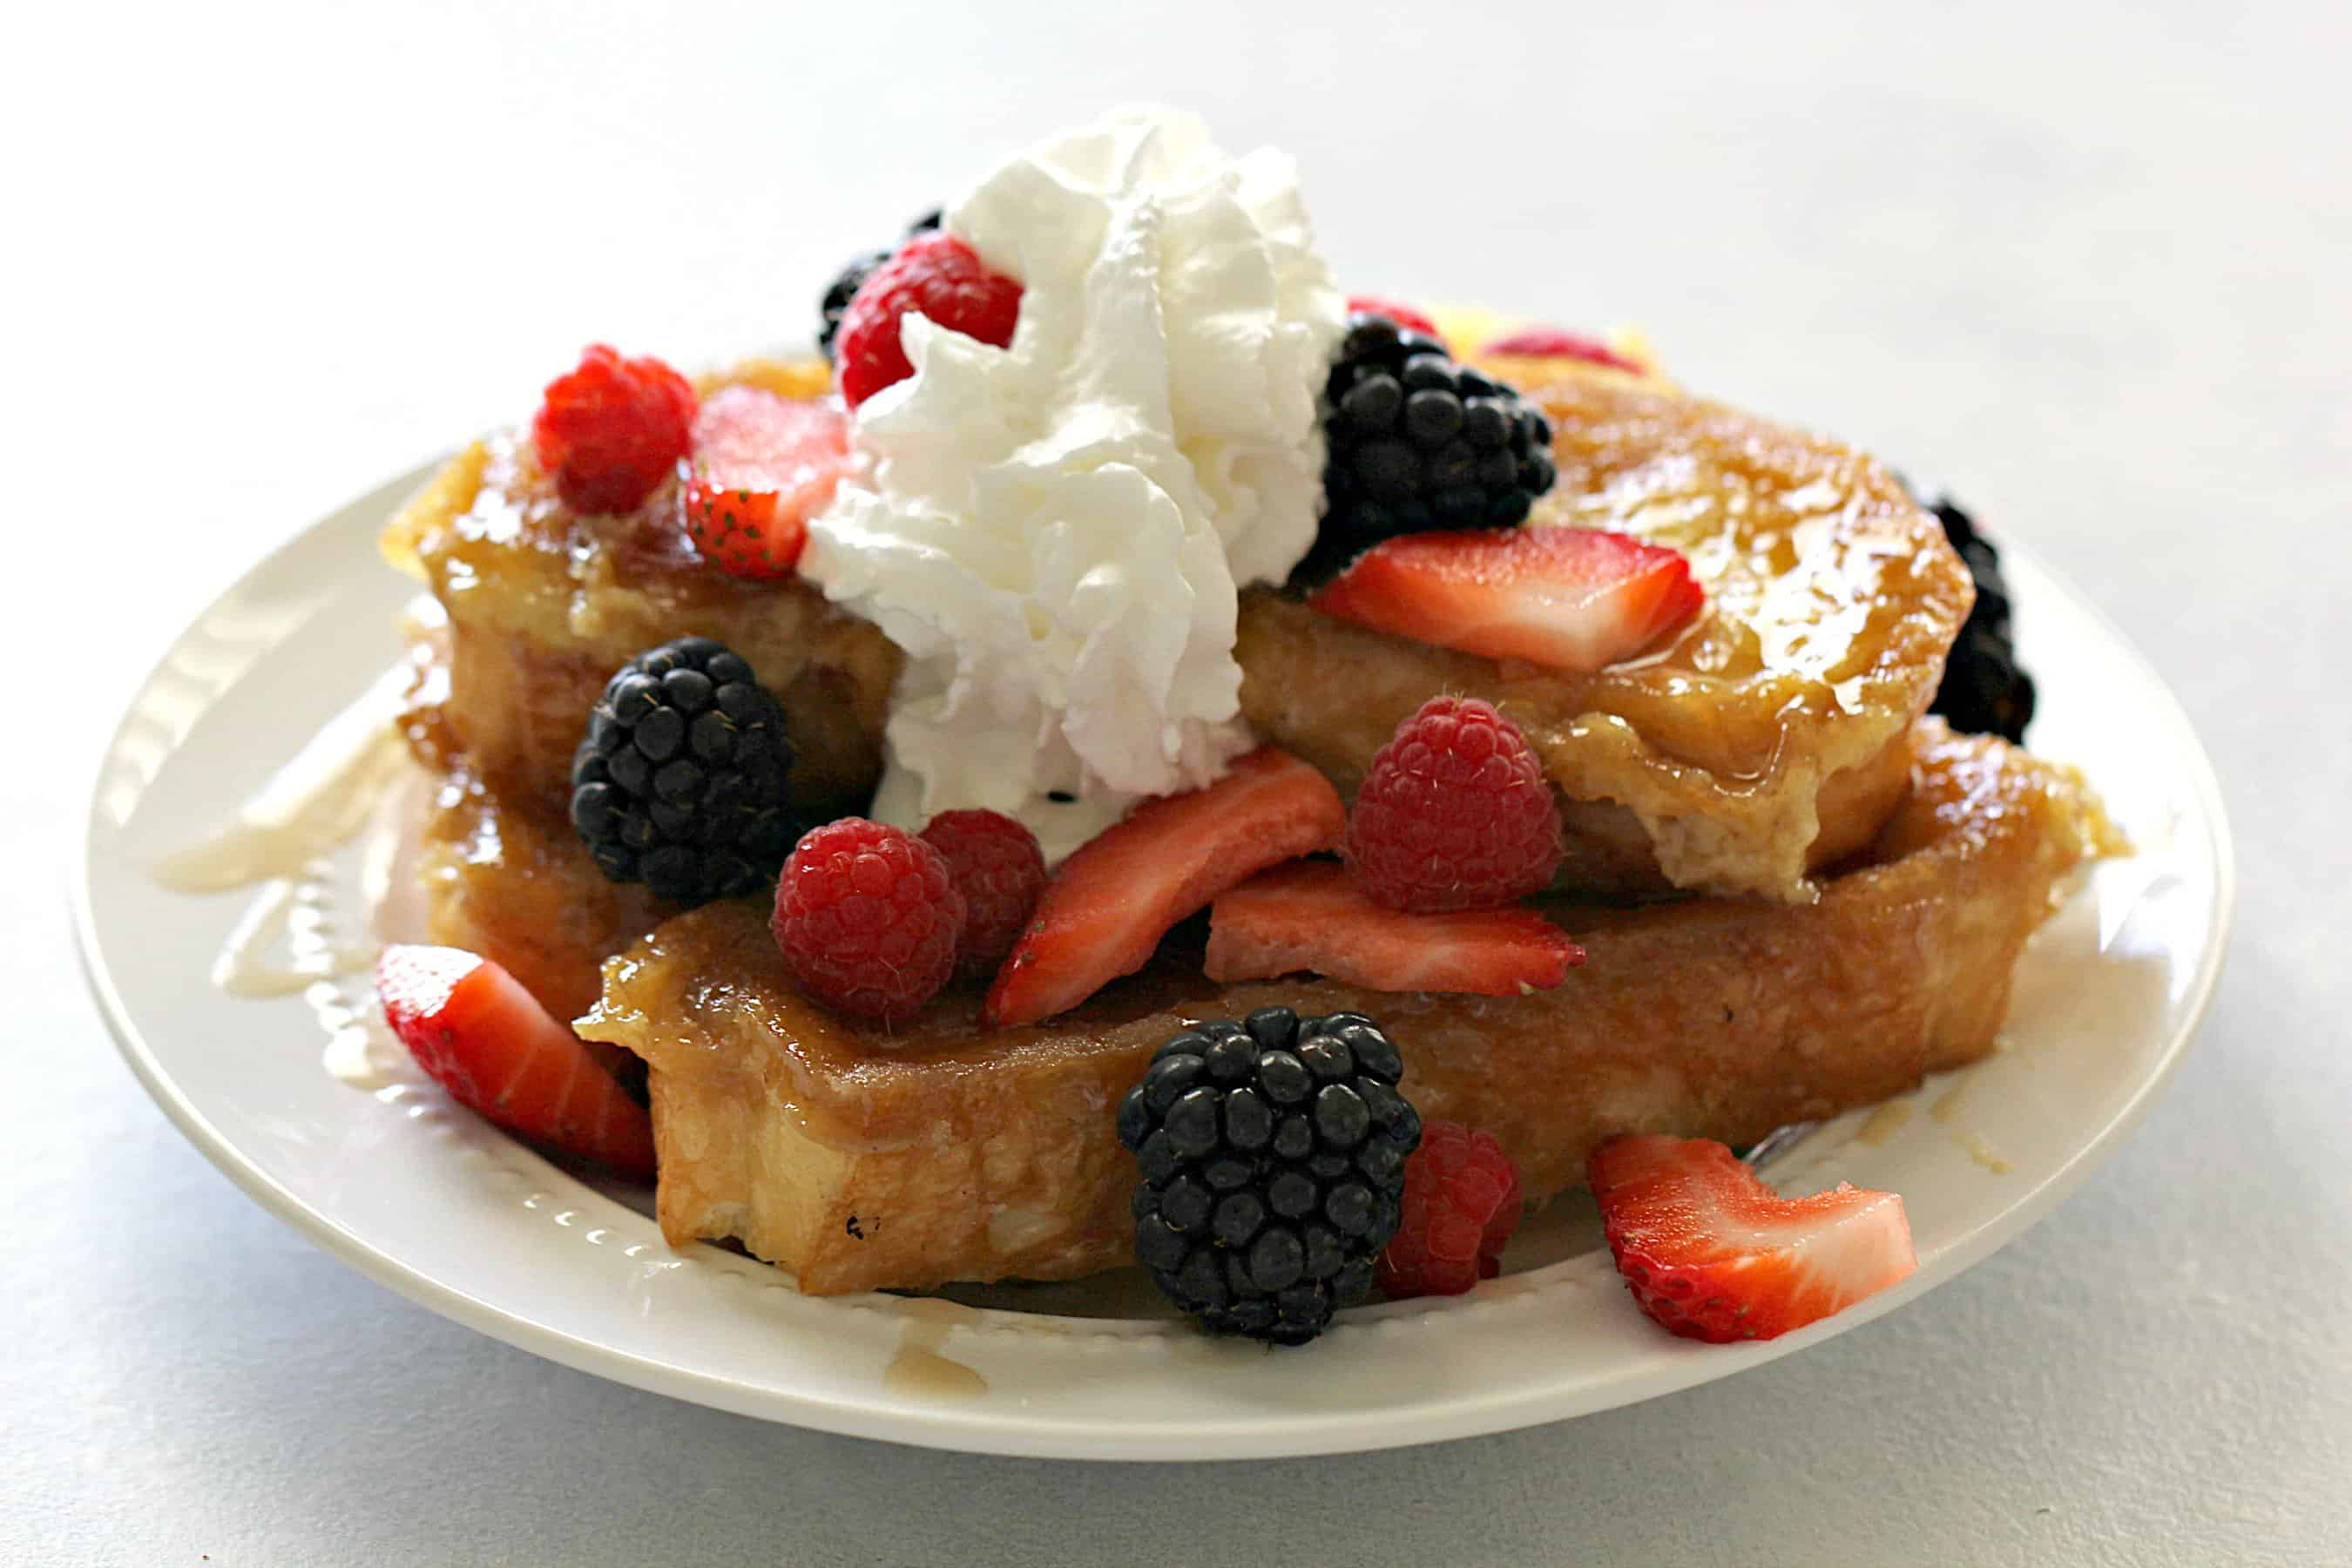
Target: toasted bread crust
x,y
948,1151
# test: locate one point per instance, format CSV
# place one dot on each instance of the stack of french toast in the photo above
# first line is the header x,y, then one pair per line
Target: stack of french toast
x,y
1798,893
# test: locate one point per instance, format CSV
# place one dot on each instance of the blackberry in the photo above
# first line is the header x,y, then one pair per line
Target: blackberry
x,y
1272,1153
843,288
679,782
1984,690
1416,442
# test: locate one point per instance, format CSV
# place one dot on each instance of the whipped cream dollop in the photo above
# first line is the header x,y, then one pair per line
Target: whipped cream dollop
x,y
1056,532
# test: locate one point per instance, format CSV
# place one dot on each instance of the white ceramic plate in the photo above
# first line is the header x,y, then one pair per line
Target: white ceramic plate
x,y
299,1099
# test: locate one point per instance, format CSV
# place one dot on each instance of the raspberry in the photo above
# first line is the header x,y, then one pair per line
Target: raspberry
x,y
999,871
867,918
935,275
1454,813
1404,316
1462,1203
845,285
611,429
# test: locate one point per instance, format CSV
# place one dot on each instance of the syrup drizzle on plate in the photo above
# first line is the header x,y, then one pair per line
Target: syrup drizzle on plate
x,y
287,940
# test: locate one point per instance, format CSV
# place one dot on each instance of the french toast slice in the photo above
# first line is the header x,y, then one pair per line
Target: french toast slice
x,y
860,1159
1766,741
540,605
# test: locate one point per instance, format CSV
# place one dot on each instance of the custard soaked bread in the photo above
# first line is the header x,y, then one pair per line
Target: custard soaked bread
x,y
945,1152
1766,740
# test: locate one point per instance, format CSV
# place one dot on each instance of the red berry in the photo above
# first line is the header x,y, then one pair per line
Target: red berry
x,y
763,465
867,917
1711,1253
935,275
1106,908
479,1034
1402,315
611,429
999,871
1566,598
1454,813
1551,342
1310,915
1462,1201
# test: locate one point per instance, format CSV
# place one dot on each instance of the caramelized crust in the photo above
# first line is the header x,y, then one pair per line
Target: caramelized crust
x,y
945,1152
508,880
1767,742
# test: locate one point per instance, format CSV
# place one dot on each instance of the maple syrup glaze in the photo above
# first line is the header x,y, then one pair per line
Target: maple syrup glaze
x,y
277,842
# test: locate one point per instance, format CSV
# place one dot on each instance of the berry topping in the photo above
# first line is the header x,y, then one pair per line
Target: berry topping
x,y
763,465
1711,1253
1418,442
1569,598
999,871
1462,1203
610,431
679,783
1454,813
1551,342
843,288
479,1034
1104,913
1311,916
1985,691
867,917
1404,316
1272,1152
934,275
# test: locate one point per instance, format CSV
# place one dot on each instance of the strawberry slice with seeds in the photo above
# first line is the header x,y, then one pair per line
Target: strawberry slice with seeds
x,y
1104,913
479,1034
1313,916
761,467
1553,342
1712,1253
1568,598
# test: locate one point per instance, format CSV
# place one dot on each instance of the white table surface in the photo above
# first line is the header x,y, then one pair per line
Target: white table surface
x,y
2084,264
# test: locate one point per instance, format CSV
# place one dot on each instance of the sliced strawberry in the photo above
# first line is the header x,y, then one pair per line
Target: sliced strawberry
x,y
1712,1253
1570,599
1107,907
761,467
1552,342
479,1034
1312,915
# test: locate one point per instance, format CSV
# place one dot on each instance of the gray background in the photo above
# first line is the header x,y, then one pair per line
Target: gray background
x,y
2085,263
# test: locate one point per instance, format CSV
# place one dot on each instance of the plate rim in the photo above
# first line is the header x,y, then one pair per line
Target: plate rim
x,y
1201,1440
